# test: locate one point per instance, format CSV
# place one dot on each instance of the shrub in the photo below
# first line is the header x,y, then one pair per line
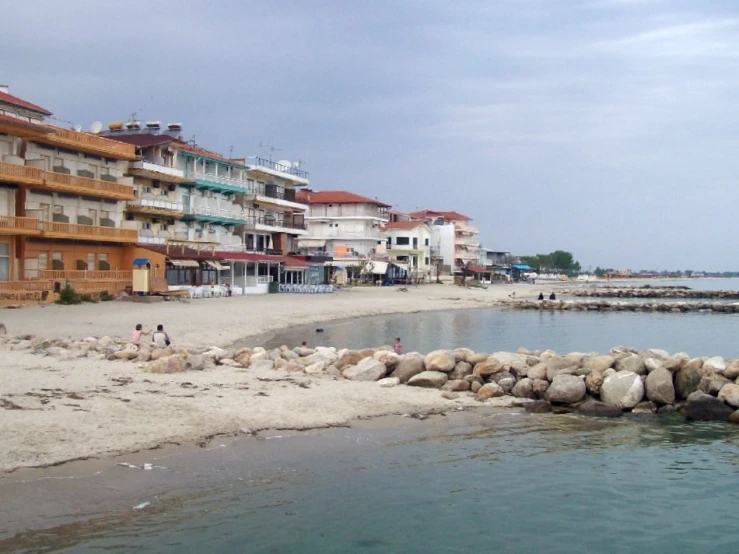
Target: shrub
x,y
68,296
105,296
86,298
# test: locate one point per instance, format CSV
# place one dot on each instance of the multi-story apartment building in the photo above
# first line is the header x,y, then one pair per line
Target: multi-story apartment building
x,y
454,240
344,224
408,243
62,195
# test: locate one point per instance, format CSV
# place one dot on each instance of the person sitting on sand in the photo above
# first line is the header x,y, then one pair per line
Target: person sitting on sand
x,y
138,333
160,338
541,296
552,296
398,346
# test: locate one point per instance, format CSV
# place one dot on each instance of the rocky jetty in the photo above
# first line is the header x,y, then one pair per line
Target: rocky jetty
x,y
593,384
615,306
654,292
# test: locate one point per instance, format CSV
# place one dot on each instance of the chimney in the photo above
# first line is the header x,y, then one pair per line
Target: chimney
x,y
4,88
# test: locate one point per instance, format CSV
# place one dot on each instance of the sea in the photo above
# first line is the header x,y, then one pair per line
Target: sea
x,y
481,480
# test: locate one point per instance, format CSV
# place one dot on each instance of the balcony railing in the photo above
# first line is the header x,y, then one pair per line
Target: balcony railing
x,y
156,204
20,224
272,222
64,183
55,229
143,165
220,179
261,162
87,142
100,275
207,211
243,249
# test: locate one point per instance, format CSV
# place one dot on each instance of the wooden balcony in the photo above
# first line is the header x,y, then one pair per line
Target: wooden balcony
x,y
89,275
19,225
87,142
60,182
76,231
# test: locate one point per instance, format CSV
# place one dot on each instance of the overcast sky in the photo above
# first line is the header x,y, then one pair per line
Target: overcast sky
x,y
604,127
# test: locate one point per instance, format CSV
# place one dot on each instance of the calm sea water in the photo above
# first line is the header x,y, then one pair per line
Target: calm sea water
x,y
501,483
510,483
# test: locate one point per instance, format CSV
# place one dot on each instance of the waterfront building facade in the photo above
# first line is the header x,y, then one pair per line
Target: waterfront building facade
x,y
62,198
454,240
408,244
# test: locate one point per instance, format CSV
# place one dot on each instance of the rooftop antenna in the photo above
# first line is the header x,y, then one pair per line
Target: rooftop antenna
x,y
192,142
297,164
272,149
96,127
231,152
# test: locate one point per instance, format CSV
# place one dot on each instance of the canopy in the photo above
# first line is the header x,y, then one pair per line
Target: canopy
x,y
184,263
141,262
378,268
312,243
522,267
402,266
216,265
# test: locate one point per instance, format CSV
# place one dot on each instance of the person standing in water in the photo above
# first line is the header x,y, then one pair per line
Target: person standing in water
x,y
398,346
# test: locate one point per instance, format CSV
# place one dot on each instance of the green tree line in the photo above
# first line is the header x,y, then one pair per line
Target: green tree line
x,y
559,261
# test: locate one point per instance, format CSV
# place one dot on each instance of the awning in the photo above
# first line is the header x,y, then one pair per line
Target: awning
x,y
141,262
184,263
522,267
312,243
402,266
378,268
216,265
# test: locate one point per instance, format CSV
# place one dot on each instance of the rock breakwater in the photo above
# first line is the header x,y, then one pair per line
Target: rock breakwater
x,y
615,306
654,292
607,385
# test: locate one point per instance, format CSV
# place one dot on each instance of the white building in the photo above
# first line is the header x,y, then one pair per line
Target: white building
x,y
408,244
344,225
453,239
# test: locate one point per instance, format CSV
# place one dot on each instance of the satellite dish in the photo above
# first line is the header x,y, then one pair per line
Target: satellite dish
x,y
285,163
96,127
78,128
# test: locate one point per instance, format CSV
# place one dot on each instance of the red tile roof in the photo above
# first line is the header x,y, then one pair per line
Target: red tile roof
x,y
452,216
14,100
403,225
335,197
142,140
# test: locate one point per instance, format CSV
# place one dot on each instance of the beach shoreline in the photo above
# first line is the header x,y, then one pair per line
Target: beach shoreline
x,y
83,408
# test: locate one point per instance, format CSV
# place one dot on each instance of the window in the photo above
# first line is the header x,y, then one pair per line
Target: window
x,y
426,262
390,241
91,260
426,243
147,190
103,264
58,209
4,261
164,227
43,261
402,241
146,225
57,261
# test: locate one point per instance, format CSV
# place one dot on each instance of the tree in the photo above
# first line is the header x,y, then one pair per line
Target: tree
x,y
559,260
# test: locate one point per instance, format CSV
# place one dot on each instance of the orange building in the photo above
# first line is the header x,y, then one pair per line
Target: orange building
x,y
62,197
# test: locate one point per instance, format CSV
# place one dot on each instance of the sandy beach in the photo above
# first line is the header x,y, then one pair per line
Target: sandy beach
x,y
55,411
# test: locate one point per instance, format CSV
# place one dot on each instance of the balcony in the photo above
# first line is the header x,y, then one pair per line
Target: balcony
x,y
98,275
272,225
19,225
466,229
157,171
279,170
61,182
155,207
76,231
278,198
213,214
222,183
87,142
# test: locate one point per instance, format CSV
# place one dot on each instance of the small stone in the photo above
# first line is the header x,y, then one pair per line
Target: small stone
x,y
538,407
645,408
593,408
449,395
388,382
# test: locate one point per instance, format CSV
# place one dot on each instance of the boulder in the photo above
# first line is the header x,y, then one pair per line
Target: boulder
x,y
316,368
241,357
631,362
700,406
476,358
351,357
729,394
687,380
676,362
538,371
711,383
128,352
388,382
524,388
594,408
449,395
407,367
645,408
458,385
429,379
332,371
475,386
439,360
574,359
593,382
500,376
488,367
732,369
650,364
368,369
389,358
624,389
734,417
659,386
716,364
696,363
538,407
196,362
566,389
461,354
461,370
168,364
490,390
598,363
507,384
540,387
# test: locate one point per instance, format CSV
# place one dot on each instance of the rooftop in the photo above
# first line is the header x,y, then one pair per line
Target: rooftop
x,y
19,102
451,216
403,225
335,197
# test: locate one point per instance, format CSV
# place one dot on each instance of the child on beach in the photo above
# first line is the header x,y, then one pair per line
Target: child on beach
x,y
138,333
398,346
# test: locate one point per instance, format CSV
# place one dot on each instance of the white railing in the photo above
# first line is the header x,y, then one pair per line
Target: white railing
x,y
152,240
216,212
157,168
264,279
161,204
220,179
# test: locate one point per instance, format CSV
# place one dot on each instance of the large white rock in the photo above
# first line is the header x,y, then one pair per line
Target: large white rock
x,y
439,360
624,389
659,385
429,379
367,369
730,394
717,364
566,389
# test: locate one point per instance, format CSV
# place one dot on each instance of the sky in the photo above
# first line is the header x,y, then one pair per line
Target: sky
x,y
608,128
